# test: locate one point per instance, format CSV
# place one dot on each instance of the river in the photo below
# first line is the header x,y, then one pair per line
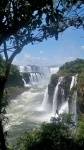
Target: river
x,y
25,112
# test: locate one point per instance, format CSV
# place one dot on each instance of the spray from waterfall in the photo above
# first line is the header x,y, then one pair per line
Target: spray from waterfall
x,y
64,108
55,105
45,99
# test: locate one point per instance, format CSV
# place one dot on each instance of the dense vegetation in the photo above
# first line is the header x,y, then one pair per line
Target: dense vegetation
x,y
56,135
14,78
73,67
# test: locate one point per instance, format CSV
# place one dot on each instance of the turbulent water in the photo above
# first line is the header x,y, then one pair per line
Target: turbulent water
x,y
29,109
26,112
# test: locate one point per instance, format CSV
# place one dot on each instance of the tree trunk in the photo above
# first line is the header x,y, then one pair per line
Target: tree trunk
x,y
3,81
2,138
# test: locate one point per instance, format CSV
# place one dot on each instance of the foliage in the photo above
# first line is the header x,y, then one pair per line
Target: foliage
x,y
73,67
16,15
55,135
80,93
21,20
2,67
54,79
80,129
14,78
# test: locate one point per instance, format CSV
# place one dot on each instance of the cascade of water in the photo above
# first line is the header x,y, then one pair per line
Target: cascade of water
x,y
55,107
35,78
73,102
72,82
38,77
24,82
45,99
26,85
31,77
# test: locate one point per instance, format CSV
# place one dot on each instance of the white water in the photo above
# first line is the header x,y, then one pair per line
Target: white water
x,y
74,81
45,99
25,112
74,99
26,85
55,107
28,110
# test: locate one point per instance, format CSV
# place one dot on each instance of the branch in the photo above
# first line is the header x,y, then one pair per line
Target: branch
x,y
17,51
1,51
5,51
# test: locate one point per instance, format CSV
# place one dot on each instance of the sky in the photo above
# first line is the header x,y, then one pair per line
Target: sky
x,y
70,45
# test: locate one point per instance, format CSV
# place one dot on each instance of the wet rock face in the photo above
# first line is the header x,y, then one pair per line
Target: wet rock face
x,y
26,77
63,90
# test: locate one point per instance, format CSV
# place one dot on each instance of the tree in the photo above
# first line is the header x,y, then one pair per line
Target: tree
x,y
26,21
56,135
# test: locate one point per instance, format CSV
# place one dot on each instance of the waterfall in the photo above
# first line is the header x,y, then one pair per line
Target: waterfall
x,y
55,105
74,81
45,99
74,99
35,78
24,82
26,85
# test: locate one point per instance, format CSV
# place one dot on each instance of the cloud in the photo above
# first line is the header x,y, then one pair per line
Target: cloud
x,y
45,59
71,58
41,52
27,59
15,61
27,56
82,47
